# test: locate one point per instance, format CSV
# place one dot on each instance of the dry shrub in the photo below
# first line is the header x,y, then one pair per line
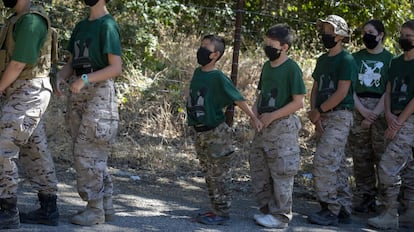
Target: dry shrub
x,y
153,131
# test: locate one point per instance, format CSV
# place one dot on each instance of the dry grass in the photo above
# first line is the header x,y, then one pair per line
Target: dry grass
x,y
153,132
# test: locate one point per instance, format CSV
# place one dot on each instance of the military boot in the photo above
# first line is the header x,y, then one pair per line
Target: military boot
x,y
365,205
108,208
406,219
47,214
387,220
92,215
9,214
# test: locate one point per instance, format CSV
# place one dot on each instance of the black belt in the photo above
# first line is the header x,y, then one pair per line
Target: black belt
x,y
203,128
338,108
370,95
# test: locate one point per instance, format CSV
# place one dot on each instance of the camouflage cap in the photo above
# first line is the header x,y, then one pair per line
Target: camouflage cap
x,y
339,24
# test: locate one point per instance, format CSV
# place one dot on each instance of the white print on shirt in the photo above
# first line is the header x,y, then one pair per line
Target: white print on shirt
x,y
370,73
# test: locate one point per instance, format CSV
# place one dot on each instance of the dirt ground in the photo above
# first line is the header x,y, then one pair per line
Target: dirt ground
x,y
157,185
149,201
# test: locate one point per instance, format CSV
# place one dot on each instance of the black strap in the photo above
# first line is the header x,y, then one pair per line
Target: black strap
x,y
370,95
203,128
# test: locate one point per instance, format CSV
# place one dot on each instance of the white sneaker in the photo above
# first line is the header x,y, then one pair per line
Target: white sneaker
x,y
270,221
259,215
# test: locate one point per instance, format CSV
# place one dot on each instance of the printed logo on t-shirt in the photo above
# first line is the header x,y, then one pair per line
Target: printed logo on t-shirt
x,y
326,87
399,90
268,101
81,61
196,103
370,73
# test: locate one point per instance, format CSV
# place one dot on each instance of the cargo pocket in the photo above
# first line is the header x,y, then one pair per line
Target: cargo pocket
x,y
218,150
220,143
105,130
287,165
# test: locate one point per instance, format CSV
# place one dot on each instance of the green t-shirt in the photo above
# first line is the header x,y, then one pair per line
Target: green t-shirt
x,y
278,84
329,71
210,92
401,78
92,41
373,70
29,34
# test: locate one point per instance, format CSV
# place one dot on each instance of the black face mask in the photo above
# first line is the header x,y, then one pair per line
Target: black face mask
x,y
10,3
91,2
203,56
405,44
328,41
272,53
370,41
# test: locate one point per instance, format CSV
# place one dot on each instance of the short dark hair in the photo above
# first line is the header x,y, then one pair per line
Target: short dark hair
x,y
219,43
282,33
378,25
409,24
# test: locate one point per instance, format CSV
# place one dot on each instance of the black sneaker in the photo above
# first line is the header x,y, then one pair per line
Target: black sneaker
x,y
324,218
366,205
344,217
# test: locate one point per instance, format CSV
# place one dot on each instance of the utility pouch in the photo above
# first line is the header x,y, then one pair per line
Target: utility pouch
x,y
82,65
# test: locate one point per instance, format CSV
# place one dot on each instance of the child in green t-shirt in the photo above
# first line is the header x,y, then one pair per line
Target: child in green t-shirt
x,y
366,141
275,155
396,166
209,93
92,110
332,104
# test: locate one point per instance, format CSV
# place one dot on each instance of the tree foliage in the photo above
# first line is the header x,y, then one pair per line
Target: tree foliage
x,y
145,23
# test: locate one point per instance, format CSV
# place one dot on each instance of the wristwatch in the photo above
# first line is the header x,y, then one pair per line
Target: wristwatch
x,y
85,79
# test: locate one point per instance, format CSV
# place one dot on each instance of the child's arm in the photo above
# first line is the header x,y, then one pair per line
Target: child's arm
x,y
392,120
313,114
397,123
337,96
257,124
379,108
406,113
387,103
290,108
360,107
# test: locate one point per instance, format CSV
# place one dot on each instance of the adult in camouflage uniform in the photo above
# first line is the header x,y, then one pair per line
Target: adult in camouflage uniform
x,y
396,166
332,103
366,141
25,61
92,111
210,91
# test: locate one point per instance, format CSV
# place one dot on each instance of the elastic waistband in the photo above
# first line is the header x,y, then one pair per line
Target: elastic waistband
x,y
370,95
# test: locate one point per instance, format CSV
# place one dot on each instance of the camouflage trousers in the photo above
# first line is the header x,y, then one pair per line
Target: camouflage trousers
x,y
329,163
396,168
22,135
92,119
215,152
274,161
366,146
